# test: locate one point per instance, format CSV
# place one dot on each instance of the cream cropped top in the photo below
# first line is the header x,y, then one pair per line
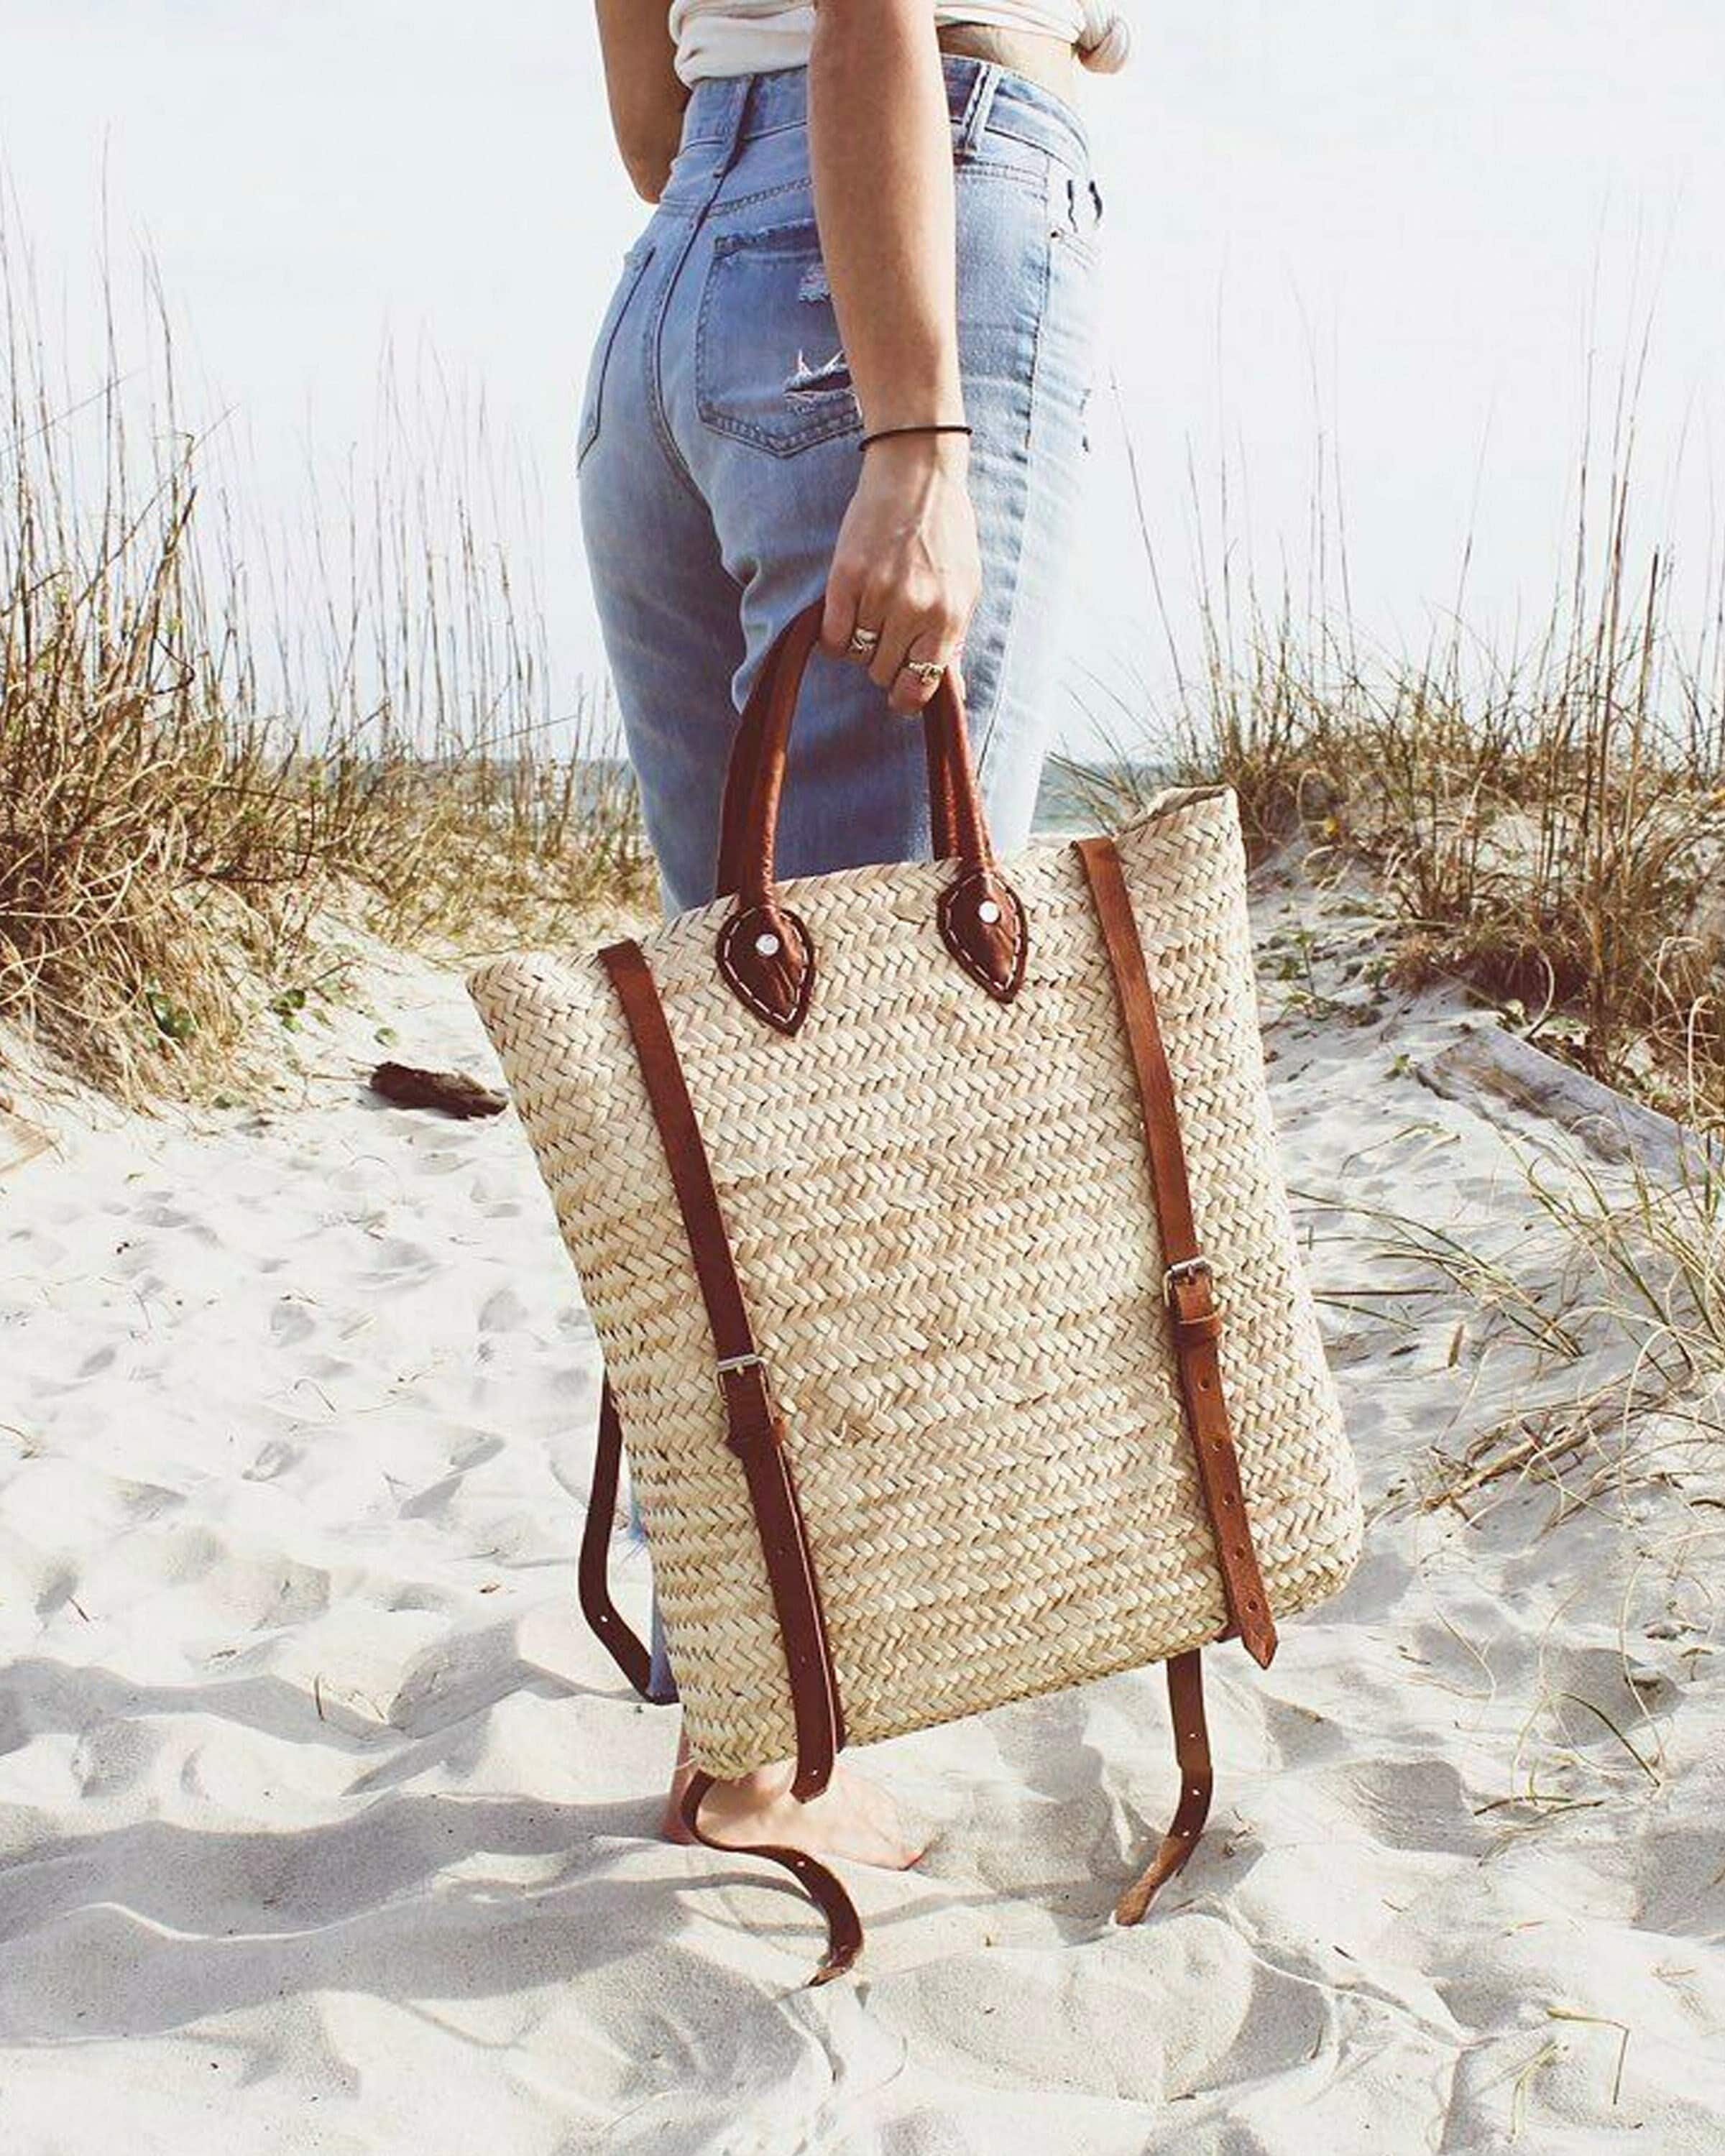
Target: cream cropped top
x,y
738,37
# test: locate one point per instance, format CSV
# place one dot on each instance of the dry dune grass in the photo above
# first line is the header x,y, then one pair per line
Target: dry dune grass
x,y
1603,1293
1552,837
1548,826
170,846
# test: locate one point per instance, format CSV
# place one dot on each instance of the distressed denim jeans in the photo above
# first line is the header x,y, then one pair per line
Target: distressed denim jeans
x,y
717,452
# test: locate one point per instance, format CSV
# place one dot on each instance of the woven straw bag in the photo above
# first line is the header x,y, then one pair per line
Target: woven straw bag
x,y
931,1221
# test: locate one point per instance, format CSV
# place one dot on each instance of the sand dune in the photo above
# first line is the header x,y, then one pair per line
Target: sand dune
x,y
324,1826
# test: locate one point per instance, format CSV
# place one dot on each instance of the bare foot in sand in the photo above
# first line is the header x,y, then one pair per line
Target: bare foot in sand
x,y
852,1817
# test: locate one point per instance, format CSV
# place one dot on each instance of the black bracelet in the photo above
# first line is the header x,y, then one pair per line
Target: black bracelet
x,y
931,426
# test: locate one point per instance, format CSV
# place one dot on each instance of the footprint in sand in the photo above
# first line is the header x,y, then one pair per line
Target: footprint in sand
x,y
402,1264
502,1310
290,1323
275,1458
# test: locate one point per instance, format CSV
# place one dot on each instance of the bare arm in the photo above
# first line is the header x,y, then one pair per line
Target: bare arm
x,y
646,98
880,154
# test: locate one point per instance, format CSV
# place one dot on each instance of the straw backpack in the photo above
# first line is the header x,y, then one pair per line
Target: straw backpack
x,y
929,1218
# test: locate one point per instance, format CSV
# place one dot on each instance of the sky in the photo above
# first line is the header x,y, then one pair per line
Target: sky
x,y
1393,261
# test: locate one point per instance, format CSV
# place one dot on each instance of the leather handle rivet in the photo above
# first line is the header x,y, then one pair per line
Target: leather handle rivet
x,y
767,945
989,910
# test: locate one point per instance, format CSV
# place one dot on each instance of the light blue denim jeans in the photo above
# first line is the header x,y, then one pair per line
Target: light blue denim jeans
x,y
717,452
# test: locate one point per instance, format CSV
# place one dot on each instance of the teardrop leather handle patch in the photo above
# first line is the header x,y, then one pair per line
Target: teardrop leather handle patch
x,y
767,955
982,923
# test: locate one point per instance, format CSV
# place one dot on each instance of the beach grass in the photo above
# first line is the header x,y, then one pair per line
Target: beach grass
x,y
1544,823
176,837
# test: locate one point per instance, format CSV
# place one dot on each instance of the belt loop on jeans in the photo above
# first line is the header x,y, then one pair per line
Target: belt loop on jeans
x,y
744,93
977,106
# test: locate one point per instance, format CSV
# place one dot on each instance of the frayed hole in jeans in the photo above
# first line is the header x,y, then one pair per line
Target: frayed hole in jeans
x,y
818,380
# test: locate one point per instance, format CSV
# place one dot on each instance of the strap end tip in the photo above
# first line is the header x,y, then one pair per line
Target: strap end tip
x,y
1169,1859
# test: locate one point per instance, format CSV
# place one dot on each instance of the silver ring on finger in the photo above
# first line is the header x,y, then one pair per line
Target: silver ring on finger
x,y
862,643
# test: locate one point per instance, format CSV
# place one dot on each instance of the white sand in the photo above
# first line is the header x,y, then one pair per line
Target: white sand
x,y
325,1825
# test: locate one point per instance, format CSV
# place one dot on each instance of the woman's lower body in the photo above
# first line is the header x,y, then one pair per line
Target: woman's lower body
x,y
717,453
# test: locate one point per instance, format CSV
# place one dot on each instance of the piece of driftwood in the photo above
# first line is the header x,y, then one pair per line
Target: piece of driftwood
x,y
1503,1067
451,1090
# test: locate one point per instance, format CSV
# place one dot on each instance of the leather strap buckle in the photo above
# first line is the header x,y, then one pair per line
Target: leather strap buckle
x,y
754,1360
730,1365
1183,1270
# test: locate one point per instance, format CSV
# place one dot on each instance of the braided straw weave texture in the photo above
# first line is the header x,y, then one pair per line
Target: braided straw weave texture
x,y
941,1210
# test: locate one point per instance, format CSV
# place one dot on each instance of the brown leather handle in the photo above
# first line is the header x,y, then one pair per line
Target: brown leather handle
x,y
754,783
765,951
741,778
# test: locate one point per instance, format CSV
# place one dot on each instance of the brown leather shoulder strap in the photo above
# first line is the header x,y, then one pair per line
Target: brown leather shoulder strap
x,y
844,1930
1192,1750
757,1430
608,1624
1188,1285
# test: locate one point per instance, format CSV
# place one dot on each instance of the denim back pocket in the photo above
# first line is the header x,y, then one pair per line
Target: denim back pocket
x,y
769,366
634,264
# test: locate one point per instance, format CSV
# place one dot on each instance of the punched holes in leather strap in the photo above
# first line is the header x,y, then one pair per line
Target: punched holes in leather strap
x,y
593,1582
844,1930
